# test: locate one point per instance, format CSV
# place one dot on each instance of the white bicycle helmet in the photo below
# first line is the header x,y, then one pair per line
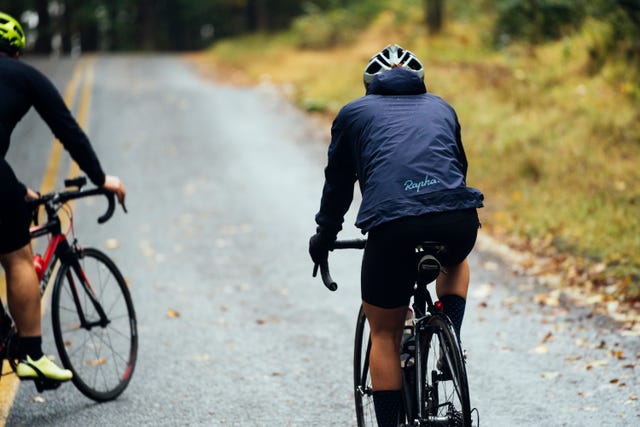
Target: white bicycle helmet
x,y
392,56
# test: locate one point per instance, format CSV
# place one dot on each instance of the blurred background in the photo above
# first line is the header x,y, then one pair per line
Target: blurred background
x,y
547,92
117,25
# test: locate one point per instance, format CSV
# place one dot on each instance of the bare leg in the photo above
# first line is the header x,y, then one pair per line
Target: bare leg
x,y
455,282
23,292
386,335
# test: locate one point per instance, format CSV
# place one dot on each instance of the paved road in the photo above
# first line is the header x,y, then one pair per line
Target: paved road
x,y
223,185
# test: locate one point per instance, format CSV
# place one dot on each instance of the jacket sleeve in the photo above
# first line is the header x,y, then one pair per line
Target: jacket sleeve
x,y
51,107
340,177
462,157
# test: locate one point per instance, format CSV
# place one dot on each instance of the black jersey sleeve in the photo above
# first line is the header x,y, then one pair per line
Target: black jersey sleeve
x,y
49,104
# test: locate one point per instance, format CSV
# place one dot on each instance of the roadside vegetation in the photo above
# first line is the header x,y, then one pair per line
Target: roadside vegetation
x,y
550,114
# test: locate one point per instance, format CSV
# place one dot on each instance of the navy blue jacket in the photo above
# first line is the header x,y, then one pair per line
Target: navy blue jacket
x,y
403,146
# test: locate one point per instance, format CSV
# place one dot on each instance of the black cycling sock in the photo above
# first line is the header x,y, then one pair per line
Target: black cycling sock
x,y
31,346
387,406
453,306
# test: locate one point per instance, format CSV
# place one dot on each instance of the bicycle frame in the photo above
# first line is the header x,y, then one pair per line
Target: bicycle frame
x,y
423,308
59,248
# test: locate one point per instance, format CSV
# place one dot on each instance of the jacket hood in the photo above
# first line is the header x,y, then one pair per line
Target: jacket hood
x,y
398,81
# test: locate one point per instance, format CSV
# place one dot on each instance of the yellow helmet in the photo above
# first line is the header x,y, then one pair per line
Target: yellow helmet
x,y
12,37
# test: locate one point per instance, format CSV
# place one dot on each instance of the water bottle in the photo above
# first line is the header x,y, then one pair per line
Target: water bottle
x,y
38,264
408,348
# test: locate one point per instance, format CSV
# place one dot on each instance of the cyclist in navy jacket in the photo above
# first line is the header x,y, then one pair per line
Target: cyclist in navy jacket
x,y
403,146
21,87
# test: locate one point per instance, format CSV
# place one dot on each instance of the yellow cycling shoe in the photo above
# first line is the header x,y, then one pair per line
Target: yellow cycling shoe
x,y
41,369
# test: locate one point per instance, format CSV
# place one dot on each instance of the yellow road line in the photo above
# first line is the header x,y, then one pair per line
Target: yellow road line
x,y
83,109
9,384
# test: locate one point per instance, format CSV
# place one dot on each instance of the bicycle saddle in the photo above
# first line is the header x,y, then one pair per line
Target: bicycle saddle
x,y
429,267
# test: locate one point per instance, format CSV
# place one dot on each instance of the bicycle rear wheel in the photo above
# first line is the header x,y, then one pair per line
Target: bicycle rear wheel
x,y
365,412
363,390
445,386
101,355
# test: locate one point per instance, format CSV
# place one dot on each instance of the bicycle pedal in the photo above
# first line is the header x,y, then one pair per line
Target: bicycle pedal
x,y
43,385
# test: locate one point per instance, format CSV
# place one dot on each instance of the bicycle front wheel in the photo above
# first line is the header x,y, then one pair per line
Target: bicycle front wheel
x,y
94,325
445,387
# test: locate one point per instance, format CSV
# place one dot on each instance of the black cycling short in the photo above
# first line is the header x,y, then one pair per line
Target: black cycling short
x,y
389,264
14,214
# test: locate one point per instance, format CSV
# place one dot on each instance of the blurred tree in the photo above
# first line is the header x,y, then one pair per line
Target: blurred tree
x,y
257,15
13,7
43,42
435,15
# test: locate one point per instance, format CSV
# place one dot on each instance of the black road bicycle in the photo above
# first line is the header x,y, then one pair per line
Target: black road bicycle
x,y
92,314
435,390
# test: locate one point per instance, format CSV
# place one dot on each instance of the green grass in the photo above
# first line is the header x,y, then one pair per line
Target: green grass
x,y
554,148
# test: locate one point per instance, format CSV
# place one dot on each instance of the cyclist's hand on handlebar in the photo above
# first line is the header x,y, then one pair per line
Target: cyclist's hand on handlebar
x,y
319,245
31,195
113,184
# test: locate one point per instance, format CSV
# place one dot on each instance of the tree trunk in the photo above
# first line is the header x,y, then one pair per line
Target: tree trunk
x,y
435,15
146,24
43,42
257,16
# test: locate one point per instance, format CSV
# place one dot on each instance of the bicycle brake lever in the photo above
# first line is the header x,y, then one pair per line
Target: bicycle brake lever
x,y
315,269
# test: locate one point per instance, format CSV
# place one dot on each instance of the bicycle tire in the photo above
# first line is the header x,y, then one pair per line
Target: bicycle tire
x,y
365,411
363,390
102,358
444,399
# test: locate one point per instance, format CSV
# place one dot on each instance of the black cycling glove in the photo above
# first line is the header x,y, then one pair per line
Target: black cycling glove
x,y
319,245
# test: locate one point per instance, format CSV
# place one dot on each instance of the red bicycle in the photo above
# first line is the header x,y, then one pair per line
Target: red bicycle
x,y
92,314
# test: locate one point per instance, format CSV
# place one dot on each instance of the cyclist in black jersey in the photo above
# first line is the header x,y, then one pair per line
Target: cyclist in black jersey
x,y
23,87
403,146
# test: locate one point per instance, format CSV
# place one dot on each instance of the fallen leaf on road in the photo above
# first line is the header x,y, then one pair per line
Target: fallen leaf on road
x,y
172,313
550,299
201,357
596,363
37,399
547,338
509,302
618,354
550,375
268,320
146,248
96,362
541,349
483,290
112,244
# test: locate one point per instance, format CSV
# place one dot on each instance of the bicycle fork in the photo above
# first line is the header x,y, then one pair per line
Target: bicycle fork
x,y
71,257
